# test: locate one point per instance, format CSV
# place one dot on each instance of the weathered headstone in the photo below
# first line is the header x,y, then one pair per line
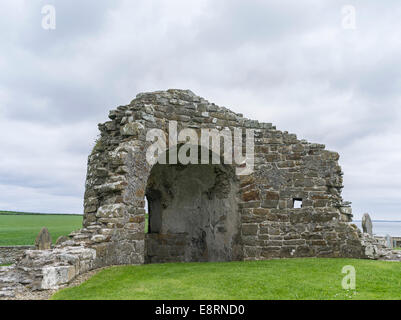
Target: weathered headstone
x,y
367,226
389,242
43,240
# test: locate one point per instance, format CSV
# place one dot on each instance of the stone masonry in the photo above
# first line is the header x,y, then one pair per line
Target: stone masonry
x,y
198,212
9,254
286,169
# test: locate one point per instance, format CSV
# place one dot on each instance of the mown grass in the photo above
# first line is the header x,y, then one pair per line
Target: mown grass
x,y
22,228
295,279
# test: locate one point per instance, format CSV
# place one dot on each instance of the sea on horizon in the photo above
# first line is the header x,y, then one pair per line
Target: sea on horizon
x,y
382,228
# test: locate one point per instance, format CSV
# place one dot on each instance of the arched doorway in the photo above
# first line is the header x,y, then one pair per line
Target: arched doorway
x,y
193,214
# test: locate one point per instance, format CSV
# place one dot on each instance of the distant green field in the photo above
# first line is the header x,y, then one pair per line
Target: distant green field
x,y
18,228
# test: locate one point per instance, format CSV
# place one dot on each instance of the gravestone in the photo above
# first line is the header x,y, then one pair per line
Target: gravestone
x,y
389,242
367,226
43,240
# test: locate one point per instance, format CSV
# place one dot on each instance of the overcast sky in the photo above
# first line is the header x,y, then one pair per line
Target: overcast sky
x,y
298,64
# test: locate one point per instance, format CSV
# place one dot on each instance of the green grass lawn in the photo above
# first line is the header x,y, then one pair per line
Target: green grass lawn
x,y
309,278
22,228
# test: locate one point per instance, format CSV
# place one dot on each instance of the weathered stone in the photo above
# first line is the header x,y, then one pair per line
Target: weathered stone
x,y
251,195
389,243
99,238
132,129
61,239
43,240
55,276
10,254
111,211
249,229
367,226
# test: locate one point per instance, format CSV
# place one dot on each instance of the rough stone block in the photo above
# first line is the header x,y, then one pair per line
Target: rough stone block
x,y
43,240
249,229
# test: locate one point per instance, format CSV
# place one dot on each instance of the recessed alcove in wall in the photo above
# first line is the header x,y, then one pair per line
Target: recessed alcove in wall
x,y
193,213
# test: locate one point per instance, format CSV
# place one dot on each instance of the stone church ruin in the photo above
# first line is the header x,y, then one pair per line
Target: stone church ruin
x,y
205,212
289,206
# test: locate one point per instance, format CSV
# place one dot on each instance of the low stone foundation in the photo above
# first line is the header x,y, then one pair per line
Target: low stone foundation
x,y
392,242
45,269
9,254
376,249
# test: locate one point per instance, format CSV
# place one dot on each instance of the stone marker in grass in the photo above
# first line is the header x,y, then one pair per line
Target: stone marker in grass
x,y
367,226
43,240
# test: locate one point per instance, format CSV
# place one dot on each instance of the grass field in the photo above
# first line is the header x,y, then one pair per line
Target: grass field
x,y
22,228
309,278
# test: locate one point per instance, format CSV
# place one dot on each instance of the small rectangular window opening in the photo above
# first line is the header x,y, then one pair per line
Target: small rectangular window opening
x,y
297,203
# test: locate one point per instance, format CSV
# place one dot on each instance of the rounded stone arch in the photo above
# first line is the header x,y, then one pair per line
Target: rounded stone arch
x,y
286,170
214,235
194,212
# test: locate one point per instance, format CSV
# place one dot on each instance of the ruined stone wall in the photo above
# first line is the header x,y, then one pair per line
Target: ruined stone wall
x,y
9,254
285,169
45,269
291,169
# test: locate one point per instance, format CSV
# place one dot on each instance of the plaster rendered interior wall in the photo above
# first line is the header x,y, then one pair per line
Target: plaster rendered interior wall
x,y
193,213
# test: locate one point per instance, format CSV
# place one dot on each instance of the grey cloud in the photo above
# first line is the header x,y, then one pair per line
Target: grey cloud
x,y
286,62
